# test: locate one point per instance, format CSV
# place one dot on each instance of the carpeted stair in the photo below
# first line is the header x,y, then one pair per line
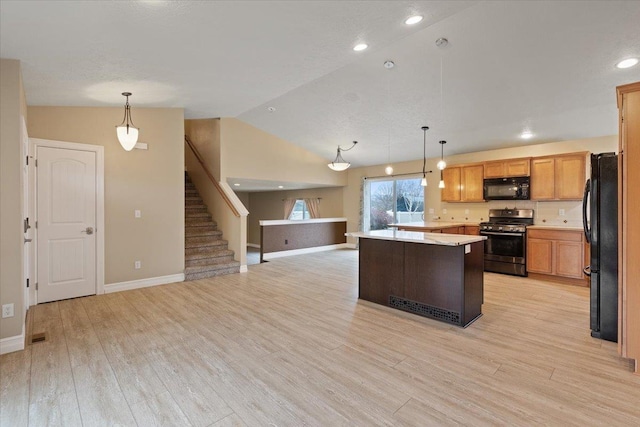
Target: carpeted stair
x,y
206,253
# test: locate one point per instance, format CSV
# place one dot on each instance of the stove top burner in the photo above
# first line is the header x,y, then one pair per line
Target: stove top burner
x,y
508,220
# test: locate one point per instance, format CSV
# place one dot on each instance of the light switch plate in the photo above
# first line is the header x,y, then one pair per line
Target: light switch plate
x,y
137,213
561,212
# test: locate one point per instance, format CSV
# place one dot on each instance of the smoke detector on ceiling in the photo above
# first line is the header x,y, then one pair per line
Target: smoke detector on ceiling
x,y
442,42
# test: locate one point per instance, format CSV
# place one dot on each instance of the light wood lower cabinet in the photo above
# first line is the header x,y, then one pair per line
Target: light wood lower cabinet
x,y
628,224
556,252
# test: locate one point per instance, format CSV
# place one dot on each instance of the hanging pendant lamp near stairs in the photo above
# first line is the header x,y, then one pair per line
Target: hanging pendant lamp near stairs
x,y
206,253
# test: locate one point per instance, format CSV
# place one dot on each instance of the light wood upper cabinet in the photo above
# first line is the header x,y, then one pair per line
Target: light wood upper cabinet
x,y
570,177
542,179
628,225
472,179
507,168
451,190
559,177
463,184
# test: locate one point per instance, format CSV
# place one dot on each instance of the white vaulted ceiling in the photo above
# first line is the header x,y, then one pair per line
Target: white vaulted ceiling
x,y
509,65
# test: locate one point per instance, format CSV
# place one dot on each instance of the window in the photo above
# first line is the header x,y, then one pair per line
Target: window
x,y
300,211
389,200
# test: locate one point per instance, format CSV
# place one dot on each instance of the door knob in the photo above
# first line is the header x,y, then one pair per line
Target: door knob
x,y
89,230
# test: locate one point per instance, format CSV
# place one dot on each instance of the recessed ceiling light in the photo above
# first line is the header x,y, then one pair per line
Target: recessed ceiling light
x,y
280,186
361,46
236,184
271,109
413,19
627,63
527,134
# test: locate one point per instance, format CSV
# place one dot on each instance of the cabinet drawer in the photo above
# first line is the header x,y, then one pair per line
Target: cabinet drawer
x,y
565,235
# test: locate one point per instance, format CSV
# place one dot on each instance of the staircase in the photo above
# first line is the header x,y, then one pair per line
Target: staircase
x,y
206,254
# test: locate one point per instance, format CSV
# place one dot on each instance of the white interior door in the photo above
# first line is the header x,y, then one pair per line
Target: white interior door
x,y
25,212
66,199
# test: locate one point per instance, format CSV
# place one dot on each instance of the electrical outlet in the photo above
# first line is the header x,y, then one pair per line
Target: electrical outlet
x,y
444,211
561,212
466,211
137,265
137,213
432,211
7,310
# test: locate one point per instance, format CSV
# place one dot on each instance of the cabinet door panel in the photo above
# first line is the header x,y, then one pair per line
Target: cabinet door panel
x,y
542,179
451,190
473,230
494,170
472,181
540,256
570,177
569,259
517,167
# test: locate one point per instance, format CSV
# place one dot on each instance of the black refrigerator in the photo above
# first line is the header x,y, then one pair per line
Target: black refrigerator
x,y
600,219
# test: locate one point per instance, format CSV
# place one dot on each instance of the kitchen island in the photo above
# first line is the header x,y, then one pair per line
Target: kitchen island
x,y
439,276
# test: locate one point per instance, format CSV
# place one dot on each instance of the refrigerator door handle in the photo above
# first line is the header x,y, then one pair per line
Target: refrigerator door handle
x,y
585,204
587,270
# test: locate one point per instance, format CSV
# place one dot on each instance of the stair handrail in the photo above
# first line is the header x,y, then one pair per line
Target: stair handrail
x,y
206,170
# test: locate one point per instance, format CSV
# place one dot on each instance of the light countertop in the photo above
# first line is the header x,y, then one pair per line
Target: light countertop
x,y
266,222
419,237
432,224
554,227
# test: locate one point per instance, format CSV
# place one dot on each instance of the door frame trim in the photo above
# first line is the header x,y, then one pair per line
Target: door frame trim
x,y
100,235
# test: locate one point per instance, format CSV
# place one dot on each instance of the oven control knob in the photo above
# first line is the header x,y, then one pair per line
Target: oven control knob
x,y
499,228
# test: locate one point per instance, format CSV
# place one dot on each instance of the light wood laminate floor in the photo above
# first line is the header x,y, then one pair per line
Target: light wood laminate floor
x,y
289,344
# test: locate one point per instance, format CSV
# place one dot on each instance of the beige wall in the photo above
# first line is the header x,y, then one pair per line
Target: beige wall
x,y
205,134
12,106
477,212
269,205
250,153
149,180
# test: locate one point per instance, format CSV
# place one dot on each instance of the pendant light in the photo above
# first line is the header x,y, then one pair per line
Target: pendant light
x,y
441,163
388,64
424,156
126,131
339,164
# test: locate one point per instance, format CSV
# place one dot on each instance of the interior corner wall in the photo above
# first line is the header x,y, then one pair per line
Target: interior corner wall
x,y
269,205
12,100
151,181
205,135
250,153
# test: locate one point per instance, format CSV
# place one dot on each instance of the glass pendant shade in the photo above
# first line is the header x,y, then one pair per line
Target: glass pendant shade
x,y
128,136
424,181
441,184
339,164
126,131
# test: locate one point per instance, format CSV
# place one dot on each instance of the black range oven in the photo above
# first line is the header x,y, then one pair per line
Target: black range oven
x,y
505,250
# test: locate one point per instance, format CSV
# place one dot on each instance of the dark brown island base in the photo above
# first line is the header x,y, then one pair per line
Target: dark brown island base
x,y
439,276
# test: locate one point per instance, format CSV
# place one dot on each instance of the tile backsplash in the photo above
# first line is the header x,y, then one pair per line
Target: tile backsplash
x,y
545,213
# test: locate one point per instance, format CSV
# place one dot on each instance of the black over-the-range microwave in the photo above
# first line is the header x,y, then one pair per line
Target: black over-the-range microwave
x,y
507,188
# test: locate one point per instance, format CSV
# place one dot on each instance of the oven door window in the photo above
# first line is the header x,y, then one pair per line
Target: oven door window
x,y
507,246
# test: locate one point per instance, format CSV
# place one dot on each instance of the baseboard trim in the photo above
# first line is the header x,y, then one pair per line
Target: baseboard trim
x,y
11,344
143,283
281,254
253,245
